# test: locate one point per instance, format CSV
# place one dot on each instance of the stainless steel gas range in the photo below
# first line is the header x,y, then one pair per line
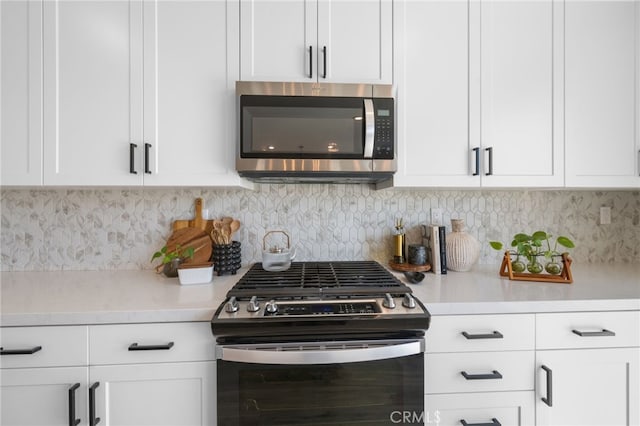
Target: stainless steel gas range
x,y
320,343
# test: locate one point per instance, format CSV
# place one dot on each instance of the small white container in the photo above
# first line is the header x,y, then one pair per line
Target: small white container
x,y
195,274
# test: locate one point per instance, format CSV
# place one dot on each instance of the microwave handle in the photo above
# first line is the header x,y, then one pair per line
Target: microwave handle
x,y
369,128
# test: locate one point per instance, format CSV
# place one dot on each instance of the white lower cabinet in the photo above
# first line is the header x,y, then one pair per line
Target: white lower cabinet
x,y
156,394
478,370
588,369
133,374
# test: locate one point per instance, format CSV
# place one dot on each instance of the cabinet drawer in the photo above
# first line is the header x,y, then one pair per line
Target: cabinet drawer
x,y
587,330
140,343
443,372
51,346
481,333
508,408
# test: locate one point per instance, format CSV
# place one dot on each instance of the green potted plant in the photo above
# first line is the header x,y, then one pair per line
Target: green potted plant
x,y
171,259
533,247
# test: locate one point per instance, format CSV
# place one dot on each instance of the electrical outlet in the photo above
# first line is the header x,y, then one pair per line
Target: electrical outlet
x,y
605,215
436,216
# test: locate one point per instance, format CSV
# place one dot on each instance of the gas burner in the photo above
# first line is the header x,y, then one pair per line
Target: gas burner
x,y
313,299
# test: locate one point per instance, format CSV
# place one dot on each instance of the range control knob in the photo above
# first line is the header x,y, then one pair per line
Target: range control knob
x,y
254,305
271,307
232,305
408,301
388,301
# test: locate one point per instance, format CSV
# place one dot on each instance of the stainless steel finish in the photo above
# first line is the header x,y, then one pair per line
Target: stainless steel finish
x,y
320,353
369,128
388,302
232,306
303,165
271,306
245,313
408,301
313,89
253,305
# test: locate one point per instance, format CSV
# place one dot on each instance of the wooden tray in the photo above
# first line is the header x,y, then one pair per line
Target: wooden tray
x,y
408,267
565,276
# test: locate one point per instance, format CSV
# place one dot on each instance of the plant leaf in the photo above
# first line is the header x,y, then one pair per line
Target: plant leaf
x,y
496,245
521,238
566,242
539,235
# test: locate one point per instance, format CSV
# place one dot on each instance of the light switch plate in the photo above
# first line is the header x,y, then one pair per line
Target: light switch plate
x,y
436,216
605,215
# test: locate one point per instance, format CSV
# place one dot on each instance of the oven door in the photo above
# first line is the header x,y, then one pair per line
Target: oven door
x,y
331,383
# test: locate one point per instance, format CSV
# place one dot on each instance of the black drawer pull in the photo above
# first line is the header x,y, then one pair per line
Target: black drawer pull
x,y
494,422
493,375
477,155
593,333
93,420
549,399
132,161
137,347
29,351
147,146
72,405
494,335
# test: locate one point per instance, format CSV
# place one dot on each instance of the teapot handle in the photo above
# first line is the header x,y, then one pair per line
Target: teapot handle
x,y
293,254
264,239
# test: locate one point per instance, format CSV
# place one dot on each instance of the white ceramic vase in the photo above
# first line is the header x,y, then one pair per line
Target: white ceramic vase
x,y
463,249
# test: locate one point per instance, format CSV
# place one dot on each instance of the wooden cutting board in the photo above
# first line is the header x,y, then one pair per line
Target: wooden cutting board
x,y
192,237
197,222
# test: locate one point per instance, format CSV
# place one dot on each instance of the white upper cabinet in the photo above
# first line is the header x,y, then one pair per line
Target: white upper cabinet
x,y
21,93
310,40
133,93
92,92
602,84
189,92
513,98
476,88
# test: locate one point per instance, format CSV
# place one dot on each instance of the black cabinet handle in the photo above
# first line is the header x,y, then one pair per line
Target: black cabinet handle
x,y
132,155
310,61
490,151
494,422
72,405
604,332
493,375
549,399
324,61
477,155
494,335
93,420
29,351
137,347
147,146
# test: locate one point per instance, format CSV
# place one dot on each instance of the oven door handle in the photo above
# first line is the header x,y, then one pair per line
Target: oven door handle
x,y
333,354
369,128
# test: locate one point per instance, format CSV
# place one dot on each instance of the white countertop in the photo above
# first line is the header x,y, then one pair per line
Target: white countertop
x,y
88,297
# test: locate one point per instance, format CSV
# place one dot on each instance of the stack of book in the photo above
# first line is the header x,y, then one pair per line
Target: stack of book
x,y
436,242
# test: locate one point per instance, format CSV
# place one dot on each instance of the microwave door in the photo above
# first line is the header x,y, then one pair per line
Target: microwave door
x,y
369,128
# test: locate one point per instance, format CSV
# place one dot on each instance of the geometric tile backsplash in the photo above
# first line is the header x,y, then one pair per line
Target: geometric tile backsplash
x,y
99,229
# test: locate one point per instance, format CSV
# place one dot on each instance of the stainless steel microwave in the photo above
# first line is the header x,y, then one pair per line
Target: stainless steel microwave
x,y
315,132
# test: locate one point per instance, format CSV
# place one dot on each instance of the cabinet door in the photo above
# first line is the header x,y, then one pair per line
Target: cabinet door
x,y
21,93
588,387
602,93
189,92
507,408
355,41
40,396
512,98
278,40
156,394
431,39
92,92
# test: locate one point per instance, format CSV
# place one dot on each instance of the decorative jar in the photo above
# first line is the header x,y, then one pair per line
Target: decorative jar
x,y
463,249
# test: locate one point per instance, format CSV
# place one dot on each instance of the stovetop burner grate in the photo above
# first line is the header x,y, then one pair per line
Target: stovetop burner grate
x,y
342,279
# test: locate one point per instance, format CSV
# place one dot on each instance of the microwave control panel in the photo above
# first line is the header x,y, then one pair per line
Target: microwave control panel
x,y
384,129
